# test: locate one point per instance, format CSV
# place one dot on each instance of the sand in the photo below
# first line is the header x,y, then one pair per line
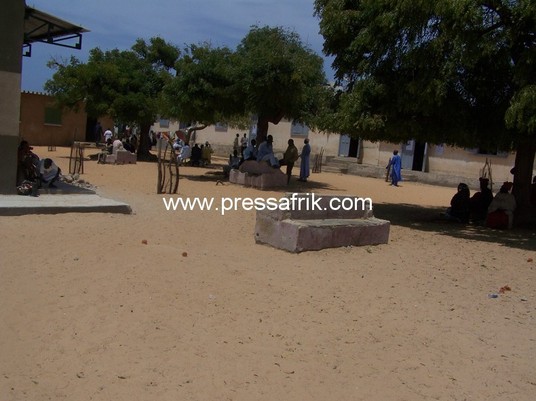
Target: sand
x,y
202,312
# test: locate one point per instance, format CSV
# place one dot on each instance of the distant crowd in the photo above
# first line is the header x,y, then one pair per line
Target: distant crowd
x,y
244,150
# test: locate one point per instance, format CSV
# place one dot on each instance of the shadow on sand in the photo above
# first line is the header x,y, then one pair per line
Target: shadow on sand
x,y
429,219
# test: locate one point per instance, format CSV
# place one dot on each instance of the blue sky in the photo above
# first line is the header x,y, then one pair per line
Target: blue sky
x,y
118,23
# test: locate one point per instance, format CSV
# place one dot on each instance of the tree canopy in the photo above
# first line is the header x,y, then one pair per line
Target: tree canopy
x,y
271,75
460,72
125,85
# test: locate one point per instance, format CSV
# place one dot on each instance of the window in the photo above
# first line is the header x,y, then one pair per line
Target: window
x,y
220,127
299,129
52,116
487,152
164,123
184,125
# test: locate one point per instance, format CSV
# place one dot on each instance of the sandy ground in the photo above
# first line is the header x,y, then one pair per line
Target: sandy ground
x,y
89,312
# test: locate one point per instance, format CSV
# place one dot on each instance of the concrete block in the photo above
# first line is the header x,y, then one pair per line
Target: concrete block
x,y
273,178
236,177
312,235
125,157
314,222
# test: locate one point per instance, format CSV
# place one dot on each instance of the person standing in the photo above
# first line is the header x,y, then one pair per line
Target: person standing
x,y
289,158
395,163
243,144
108,134
236,143
304,164
98,133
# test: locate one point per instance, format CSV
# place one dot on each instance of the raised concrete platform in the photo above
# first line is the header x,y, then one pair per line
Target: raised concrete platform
x,y
308,228
64,199
258,175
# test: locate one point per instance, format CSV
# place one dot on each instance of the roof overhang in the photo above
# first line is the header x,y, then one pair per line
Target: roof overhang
x,y
46,28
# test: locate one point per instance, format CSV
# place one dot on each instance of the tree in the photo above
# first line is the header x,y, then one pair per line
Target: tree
x,y
125,85
271,75
459,72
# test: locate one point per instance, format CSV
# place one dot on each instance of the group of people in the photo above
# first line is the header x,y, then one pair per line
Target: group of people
x,y
198,156
483,208
127,137
33,172
264,152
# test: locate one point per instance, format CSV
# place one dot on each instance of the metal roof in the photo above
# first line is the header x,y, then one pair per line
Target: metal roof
x,y
46,28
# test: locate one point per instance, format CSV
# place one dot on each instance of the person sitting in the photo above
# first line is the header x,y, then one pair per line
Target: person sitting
x,y
459,205
234,162
184,154
197,154
108,150
266,152
501,208
480,202
116,145
178,144
48,173
250,153
127,145
27,163
289,158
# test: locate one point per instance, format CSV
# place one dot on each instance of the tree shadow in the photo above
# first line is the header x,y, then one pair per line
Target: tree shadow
x,y
216,175
429,219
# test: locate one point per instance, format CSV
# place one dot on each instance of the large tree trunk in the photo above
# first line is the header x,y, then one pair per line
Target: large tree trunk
x,y
144,145
262,125
262,129
524,214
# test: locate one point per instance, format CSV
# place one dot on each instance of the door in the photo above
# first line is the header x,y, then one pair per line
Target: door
x,y
344,145
407,154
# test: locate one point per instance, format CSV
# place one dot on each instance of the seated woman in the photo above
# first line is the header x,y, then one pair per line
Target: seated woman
x,y
480,202
501,209
460,205
196,155
27,163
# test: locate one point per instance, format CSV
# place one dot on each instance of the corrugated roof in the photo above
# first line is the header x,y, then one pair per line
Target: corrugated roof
x,y
42,27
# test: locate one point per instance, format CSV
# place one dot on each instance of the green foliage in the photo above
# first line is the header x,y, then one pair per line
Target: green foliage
x,y
271,74
204,88
125,85
279,75
454,71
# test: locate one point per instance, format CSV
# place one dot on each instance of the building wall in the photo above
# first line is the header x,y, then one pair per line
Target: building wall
x,y
448,160
11,38
37,131
222,139
440,159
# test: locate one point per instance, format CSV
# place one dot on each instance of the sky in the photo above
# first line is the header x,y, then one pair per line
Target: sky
x,y
116,24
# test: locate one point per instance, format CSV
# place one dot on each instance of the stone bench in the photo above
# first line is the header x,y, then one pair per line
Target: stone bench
x,y
121,157
257,175
311,229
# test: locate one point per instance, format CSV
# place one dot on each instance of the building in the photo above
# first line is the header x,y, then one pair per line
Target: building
x,y
43,123
20,27
416,156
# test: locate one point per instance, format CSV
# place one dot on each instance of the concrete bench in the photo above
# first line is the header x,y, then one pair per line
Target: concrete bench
x,y
311,229
257,175
121,157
